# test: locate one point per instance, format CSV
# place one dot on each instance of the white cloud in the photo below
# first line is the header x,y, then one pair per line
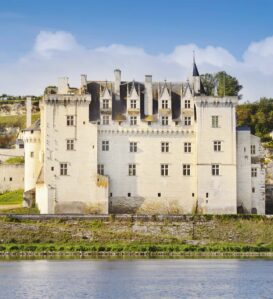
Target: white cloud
x,y
56,54
48,42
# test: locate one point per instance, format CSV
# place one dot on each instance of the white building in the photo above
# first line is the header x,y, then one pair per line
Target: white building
x,y
133,147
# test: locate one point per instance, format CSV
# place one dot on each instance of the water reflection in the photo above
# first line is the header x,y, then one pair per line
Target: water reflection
x,y
169,278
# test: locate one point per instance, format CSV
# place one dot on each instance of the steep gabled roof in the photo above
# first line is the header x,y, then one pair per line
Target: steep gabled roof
x,y
133,92
195,72
164,91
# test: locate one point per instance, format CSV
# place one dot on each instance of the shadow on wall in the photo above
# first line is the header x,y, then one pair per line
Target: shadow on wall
x,y
141,205
77,207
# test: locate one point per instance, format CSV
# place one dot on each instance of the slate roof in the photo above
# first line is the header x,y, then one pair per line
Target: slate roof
x,y
34,127
119,106
195,71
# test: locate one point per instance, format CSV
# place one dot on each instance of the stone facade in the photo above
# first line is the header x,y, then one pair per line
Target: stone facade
x,y
11,177
132,147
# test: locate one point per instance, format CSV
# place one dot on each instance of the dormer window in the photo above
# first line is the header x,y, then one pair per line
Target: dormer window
x,y
164,104
187,104
105,104
133,104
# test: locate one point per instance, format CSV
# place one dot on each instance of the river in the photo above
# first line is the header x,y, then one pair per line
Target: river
x,y
136,278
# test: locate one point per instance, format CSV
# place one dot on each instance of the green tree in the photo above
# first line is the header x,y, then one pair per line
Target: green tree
x,y
226,85
209,83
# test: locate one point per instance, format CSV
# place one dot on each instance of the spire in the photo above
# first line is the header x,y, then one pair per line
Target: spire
x,y
195,72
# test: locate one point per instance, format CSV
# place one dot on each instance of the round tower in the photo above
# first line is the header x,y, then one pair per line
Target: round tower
x,y
32,145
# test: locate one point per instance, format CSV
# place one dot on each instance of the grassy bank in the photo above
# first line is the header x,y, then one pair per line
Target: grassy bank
x,y
11,198
200,236
13,121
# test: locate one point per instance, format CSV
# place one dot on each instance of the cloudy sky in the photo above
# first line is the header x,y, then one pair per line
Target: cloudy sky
x,y
43,40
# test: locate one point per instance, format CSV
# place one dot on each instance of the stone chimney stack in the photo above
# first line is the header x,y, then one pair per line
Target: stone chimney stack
x,y
148,95
117,74
63,85
83,80
83,89
28,108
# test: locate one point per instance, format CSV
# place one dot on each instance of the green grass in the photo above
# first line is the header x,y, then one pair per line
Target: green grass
x,y
16,120
15,160
136,248
22,211
11,197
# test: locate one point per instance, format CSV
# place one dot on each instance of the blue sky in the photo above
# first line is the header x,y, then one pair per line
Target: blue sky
x,y
157,27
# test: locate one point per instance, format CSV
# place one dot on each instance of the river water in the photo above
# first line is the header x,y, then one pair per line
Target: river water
x,y
137,278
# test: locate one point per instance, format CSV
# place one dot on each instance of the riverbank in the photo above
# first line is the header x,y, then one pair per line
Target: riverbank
x,y
127,235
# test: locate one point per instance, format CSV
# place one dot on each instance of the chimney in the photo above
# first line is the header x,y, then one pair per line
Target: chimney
x,y
28,108
148,95
83,80
117,74
63,85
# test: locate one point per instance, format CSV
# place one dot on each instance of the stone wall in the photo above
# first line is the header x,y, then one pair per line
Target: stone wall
x,y
11,177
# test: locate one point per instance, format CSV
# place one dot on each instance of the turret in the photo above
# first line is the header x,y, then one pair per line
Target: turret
x,y
195,80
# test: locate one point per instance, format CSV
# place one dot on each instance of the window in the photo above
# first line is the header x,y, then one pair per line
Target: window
x,y
164,169
105,119
70,120
165,120
254,172
101,169
129,194
63,169
70,144
164,147
133,120
186,169
253,149
133,104
207,195
187,147
132,170
31,154
105,145
105,104
253,190
158,194
215,169
164,104
133,147
10,179
187,104
217,146
215,121
187,121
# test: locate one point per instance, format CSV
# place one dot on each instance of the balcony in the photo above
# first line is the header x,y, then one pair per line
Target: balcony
x,y
105,110
133,111
165,111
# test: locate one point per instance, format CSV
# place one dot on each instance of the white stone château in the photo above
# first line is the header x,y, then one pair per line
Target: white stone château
x,y
141,147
